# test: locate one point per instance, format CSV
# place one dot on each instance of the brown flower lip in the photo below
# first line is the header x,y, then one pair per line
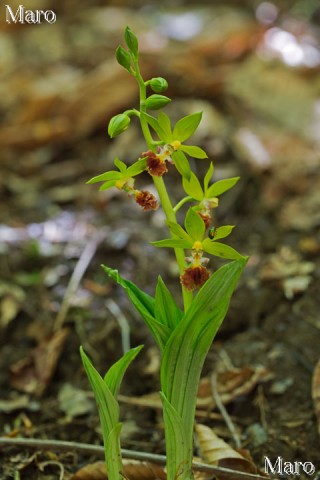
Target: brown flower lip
x,y
194,277
146,200
206,217
156,166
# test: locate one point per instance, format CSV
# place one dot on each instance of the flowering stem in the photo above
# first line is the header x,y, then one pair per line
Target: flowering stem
x,y
182,202
159,183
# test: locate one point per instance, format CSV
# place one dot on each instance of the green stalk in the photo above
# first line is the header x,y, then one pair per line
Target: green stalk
x,y
159,183
178,442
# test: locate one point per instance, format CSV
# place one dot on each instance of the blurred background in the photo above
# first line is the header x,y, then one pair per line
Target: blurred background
x,y
252,67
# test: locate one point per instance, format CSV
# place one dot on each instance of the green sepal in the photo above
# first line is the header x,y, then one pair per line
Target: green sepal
x,y
131,41
208,177
171,243
177,230
194,225
193,151
166,310
182,164
120,165
114,375
193,188
220,250
138,167
144,304
165,124
107,176
222,232
107,185
186,126
154,124
220,187
156,101
123,58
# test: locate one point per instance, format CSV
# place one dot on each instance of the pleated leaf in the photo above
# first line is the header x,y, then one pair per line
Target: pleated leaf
x,y
166,310
144,304
188,345
177,449
114,376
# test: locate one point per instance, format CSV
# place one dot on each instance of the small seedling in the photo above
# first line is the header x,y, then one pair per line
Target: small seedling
x,y
183,336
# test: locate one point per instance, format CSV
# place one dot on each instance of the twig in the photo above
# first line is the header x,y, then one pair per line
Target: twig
x,y
123,324
223,411
84,448
76,277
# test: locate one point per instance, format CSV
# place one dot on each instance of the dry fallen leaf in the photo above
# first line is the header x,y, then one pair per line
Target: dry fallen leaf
x,y
216,451
33,373
133,470
231,384
316,392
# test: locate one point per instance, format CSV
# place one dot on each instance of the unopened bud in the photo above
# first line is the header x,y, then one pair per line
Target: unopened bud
x,y
154,102
131,41
118,124
123,58
158,84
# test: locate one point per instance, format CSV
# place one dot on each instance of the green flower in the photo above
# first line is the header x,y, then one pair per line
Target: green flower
x,y
193,237
183,129
121,178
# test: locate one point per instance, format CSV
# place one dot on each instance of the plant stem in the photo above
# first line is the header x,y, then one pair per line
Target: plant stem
x,y
159,183
182,202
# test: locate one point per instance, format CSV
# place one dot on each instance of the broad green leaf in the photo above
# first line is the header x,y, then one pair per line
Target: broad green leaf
x,y
165,124
107,185
194,225
220,250
111,175
186,126
153,122
193,188
193,151
177,230
113,454
144,304
188,345
114,376
109,417
208,176
172,243
182,164
138,167
166,310
178,449
107,404
222,232
120,165
220,187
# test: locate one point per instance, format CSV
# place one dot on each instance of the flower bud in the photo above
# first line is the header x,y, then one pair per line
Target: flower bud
x,y
118,124
154,102
123,58
158,84
131,41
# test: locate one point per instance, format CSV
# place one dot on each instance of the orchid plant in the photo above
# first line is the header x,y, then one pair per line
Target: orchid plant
x,y
183,336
